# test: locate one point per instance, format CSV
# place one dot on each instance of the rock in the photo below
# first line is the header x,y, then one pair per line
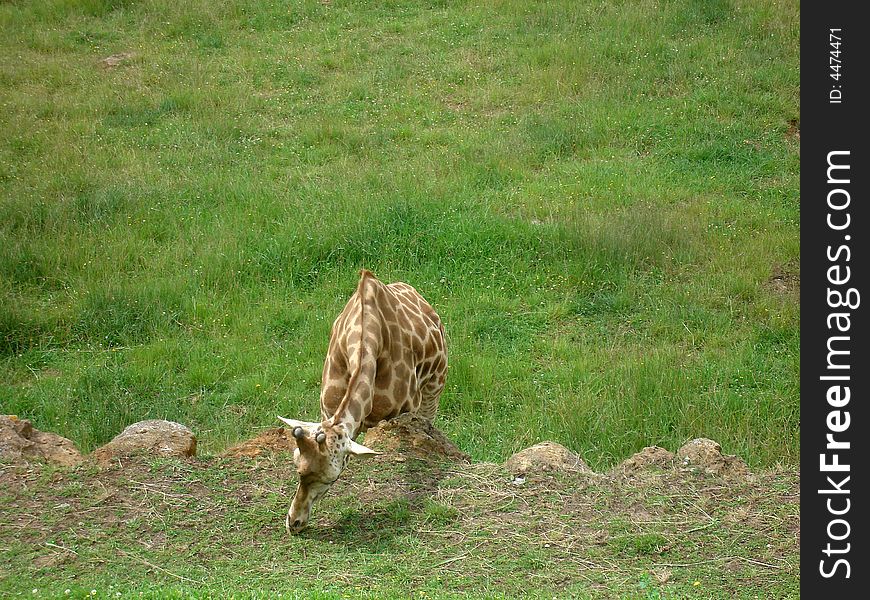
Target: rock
x,y
706,456
276,439
651,456
157,437
412,436
19,441
546,456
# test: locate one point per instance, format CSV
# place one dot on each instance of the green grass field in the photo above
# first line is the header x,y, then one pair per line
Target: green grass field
x,y
600,198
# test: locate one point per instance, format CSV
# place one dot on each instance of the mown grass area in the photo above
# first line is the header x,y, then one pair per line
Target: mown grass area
x,y
600,198
214,529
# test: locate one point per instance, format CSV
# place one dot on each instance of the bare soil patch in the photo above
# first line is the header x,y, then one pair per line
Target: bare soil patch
x,y
794,130
116,59
785,280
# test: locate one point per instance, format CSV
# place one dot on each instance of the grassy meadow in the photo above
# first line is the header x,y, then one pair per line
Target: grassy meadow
x,y
601,199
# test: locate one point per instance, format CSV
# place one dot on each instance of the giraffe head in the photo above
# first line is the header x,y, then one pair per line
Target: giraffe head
x,y
322,452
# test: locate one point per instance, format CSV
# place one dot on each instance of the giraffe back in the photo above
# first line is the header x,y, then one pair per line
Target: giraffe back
x,y
387,356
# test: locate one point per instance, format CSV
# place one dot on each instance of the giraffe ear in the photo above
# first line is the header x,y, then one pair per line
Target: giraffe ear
x,y
295,425
361,451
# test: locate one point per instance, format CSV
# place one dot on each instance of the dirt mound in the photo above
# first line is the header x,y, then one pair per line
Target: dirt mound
x,y
700,455
410,435
546,456
161,438
649,457
19,440
270,441
706,456
404,435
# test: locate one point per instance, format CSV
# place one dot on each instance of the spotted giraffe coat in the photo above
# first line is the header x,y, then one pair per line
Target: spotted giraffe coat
x,y
387,356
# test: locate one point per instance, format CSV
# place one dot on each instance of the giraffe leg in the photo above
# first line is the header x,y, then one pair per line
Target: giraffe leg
x,y
430,393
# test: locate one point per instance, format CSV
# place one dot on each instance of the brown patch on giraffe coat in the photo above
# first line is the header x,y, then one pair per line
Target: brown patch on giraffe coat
x,y
373,322
416,345
332,396
387,310
382,411
384,376
401,372
420,329
403,319
355,410
410,304
397,335
431,347
397,354
371,340
422,370
336,370
400,388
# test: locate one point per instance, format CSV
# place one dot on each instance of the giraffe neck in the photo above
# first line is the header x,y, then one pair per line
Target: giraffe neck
x,y
349,421
357,402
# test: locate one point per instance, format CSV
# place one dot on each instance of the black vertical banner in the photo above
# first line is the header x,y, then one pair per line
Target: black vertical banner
x,y
835,368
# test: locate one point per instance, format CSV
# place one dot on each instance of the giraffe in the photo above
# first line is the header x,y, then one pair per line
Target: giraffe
x,y
387,356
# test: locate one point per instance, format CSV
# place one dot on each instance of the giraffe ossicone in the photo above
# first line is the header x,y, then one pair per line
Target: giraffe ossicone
x,y
387,356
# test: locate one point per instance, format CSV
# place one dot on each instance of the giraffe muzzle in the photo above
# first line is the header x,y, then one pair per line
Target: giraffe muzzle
x,y
294,525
